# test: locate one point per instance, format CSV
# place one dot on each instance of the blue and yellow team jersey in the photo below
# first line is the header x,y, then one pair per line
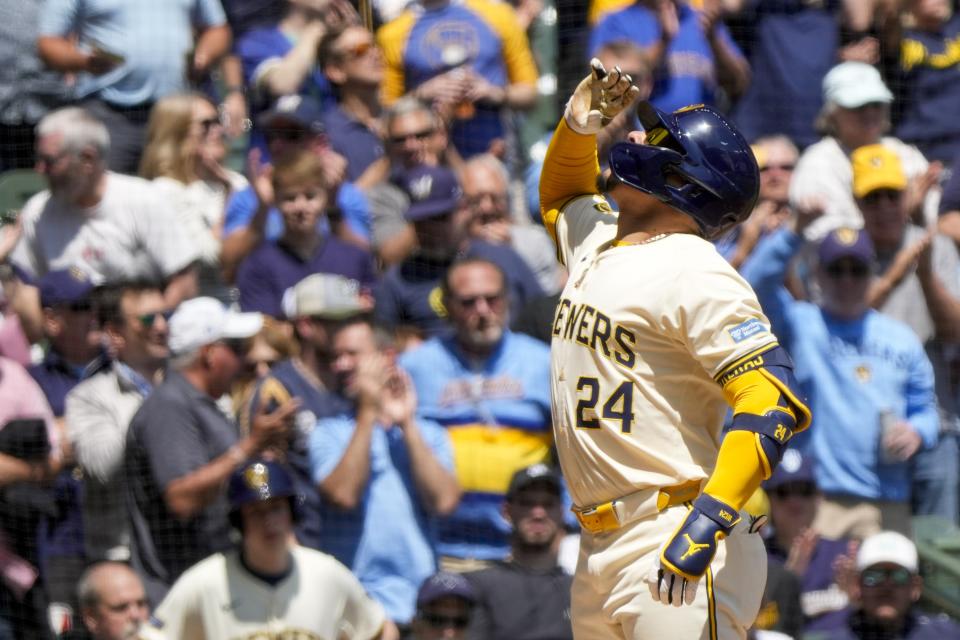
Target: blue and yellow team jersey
x,y
480,35
930,90
498,418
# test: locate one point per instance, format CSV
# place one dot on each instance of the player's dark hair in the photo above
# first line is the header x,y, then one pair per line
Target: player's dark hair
x,y
108,300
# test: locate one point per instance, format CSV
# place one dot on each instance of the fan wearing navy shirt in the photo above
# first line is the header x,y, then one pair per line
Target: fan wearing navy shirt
x,y
302,194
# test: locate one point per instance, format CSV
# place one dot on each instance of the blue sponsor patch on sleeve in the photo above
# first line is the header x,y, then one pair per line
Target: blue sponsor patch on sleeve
x,y
747,329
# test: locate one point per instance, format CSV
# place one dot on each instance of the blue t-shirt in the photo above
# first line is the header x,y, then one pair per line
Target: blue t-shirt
x,y
851,371
351,202
266,44
793,45
152,36
244,15
691,75
286,380
271,269
498,417
351,139
930,82
388,540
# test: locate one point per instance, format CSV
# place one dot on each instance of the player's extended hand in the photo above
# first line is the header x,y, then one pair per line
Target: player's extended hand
x,y
686,555
599,98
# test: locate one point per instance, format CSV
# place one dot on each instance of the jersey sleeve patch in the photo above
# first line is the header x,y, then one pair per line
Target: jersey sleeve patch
x,y
747,329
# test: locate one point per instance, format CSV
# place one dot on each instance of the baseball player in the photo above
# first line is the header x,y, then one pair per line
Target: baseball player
x,y
654,336
269,587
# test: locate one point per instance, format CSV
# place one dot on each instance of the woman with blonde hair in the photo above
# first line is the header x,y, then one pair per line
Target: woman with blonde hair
x,y
184,156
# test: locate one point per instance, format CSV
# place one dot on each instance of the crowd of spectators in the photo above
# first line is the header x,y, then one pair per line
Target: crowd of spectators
x,y
300,238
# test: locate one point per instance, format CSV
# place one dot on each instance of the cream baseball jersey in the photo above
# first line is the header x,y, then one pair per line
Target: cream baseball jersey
x,y
641,335
219,599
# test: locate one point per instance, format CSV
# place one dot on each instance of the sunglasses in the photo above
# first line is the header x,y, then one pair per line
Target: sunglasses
x,y
438,621
81,306
778,167
857,270
358,50
875,577
878,196
469,302
208,123
287,135
147,320
419,135
50,160
800,489
237,345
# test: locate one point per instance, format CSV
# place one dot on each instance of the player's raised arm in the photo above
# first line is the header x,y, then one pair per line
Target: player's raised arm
x,y
570,168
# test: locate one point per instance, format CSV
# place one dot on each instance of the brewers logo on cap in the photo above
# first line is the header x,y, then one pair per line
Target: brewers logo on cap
x,y
846,236
420,188
257,477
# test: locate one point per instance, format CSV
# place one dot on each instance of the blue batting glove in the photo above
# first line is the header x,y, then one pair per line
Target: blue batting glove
x,y
687,554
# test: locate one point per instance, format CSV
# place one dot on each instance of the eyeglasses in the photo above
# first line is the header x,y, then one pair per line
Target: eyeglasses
x,y
476,200
469,302
856,270
778,167
147,320
358,50
801,489
438,621
419,135
875,577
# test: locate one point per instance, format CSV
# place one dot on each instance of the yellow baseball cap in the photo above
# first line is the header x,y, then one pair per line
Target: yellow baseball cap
x,y
876,167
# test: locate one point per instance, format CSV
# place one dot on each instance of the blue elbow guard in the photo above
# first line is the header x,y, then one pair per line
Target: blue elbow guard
x,y
772,430
776,426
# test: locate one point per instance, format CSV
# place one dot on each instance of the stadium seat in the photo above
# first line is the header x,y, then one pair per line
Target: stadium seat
x,y
938,544
17,186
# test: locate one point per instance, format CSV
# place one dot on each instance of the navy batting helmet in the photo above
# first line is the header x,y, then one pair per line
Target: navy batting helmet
x,y
260,480
718,176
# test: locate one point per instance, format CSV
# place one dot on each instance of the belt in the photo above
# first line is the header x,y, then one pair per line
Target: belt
x,y
612,515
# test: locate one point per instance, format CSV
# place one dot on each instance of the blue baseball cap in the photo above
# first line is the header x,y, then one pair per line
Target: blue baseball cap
x,y
442,585
433,191
303,110
64,286
794,467
846,243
